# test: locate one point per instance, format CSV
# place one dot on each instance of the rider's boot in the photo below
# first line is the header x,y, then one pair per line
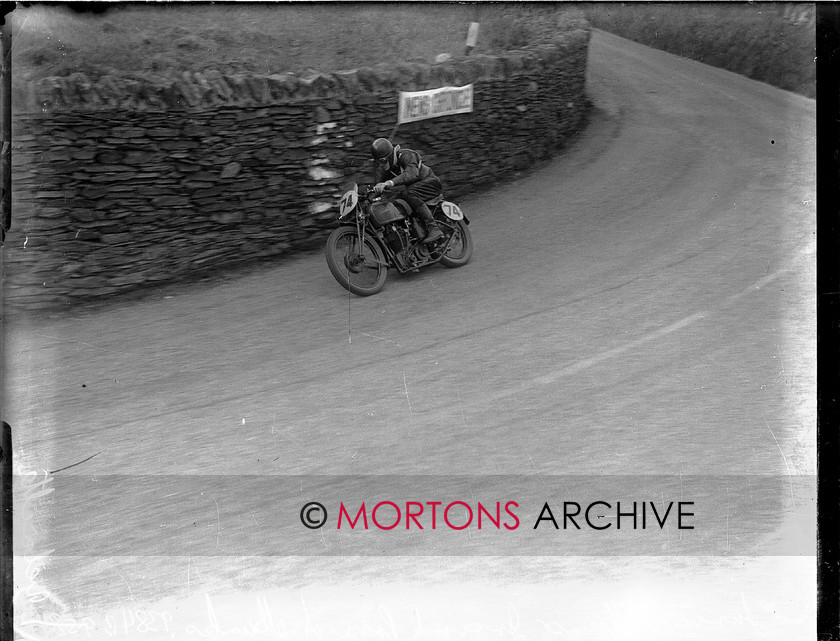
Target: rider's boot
x,y
433,232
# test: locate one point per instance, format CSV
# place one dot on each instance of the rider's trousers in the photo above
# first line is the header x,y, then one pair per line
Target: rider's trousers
x,y
417,193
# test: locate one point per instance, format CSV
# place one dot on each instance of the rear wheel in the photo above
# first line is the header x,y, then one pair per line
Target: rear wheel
x,y
460,249
359,267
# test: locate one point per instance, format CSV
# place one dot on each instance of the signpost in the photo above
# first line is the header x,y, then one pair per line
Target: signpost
x,y
472,38
434,103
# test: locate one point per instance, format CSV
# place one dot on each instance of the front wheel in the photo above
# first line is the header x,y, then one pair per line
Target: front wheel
x,y
359,268
460,249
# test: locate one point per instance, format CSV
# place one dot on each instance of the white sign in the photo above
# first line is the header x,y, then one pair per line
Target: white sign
x,y
419,105
472,35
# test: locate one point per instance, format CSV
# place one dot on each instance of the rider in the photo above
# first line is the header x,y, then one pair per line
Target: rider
x,y
416,182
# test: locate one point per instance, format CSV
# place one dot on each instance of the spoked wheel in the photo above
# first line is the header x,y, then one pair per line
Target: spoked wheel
x,y
359,268
460,249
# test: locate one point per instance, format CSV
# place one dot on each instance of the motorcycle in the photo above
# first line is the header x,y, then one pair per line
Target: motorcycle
x,y
376,233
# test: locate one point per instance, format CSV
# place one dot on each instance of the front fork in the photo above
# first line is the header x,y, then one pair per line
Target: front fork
x,y
359,259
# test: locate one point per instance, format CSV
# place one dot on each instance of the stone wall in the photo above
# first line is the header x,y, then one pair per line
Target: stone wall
x,y
126,183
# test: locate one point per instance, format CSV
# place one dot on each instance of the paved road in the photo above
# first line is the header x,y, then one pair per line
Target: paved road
x,y
643,305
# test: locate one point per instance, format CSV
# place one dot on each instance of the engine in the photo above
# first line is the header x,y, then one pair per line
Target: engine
x,y
395,237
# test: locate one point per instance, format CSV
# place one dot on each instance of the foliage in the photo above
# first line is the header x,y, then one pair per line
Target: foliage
x,y
170,38
515,25
770,42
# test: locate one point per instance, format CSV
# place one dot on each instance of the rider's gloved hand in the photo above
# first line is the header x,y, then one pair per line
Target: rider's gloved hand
x,y
378,188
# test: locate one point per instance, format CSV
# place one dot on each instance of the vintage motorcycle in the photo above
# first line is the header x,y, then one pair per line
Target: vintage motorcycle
x,y
376,233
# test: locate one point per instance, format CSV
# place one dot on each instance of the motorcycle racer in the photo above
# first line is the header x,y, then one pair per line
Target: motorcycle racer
x,y
415,181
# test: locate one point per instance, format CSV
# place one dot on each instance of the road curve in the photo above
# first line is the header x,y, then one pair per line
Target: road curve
x,y
657,291
642,305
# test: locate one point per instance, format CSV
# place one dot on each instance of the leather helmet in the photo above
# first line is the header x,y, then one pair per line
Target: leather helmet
x,y
381,148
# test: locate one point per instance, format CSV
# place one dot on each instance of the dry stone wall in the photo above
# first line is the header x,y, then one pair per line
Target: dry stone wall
x,y
126,183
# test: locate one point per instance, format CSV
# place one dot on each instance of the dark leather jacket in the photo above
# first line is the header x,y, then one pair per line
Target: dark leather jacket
x,y
409,169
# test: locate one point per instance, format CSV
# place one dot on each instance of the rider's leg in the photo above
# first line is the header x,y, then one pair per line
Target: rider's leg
x,y
415,195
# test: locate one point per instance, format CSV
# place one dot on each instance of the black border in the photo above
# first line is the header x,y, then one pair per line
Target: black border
x,y
828,306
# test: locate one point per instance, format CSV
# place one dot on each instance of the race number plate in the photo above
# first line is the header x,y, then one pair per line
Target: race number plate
x,y
348,202
452,210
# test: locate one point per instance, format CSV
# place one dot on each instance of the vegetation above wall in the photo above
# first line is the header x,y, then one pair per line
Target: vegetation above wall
x,y
170,38
768,41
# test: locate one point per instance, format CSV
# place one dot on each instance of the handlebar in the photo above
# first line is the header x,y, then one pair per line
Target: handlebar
x,y
368,192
